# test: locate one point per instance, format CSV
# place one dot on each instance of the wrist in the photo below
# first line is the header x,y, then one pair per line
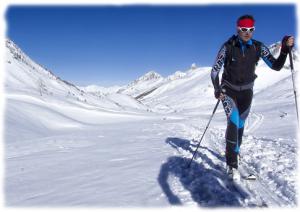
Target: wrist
x,y
283,52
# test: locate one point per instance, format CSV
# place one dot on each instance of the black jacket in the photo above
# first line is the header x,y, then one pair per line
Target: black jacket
x,y
239,60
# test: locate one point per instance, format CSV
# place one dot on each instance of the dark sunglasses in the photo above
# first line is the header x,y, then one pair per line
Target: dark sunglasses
x,y
246,29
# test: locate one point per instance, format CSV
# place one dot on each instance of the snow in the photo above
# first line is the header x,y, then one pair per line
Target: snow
x,y
100,90
149,81
68,146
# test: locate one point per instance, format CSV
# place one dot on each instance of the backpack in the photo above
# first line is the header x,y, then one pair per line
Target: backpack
x,y
230,50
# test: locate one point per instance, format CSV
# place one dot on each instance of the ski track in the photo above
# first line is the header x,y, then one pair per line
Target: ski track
x,y
253,122
262,192
259,188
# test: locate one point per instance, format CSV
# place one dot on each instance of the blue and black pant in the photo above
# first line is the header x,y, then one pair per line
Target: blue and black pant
x,y
237,106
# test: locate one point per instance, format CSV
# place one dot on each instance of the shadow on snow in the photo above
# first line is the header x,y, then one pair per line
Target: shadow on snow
x,y
206,181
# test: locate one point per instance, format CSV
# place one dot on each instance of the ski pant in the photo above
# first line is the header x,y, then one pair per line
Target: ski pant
x,y
237,107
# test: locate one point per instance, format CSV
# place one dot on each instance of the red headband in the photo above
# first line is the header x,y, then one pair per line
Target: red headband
x,y
247,22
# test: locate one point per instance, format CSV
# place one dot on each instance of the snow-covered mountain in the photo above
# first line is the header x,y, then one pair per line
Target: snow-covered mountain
x,y
27,77
149,81
100,90
71,146
176,75
30,86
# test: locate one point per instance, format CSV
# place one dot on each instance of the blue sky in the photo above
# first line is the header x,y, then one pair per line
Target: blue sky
x,y
113,45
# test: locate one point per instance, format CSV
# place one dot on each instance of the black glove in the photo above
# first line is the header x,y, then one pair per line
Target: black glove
x,y
284,48
217,93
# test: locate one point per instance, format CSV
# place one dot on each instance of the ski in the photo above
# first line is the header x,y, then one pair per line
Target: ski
x,y
251,177
240,188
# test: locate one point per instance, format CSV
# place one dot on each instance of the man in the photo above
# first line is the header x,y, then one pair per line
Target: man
x,y
239,57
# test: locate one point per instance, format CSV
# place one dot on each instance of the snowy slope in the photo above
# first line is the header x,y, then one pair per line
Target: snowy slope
x,y
24,76
100,90
61,150
149,81
27,77
188,92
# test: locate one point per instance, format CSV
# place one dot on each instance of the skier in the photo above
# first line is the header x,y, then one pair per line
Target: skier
x,y
239,56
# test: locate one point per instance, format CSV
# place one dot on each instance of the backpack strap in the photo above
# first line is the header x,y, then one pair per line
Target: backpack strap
x,y
230,50
257,46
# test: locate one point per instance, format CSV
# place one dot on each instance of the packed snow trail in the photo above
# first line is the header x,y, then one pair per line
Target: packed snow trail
x,y
204,183
255,160
272,160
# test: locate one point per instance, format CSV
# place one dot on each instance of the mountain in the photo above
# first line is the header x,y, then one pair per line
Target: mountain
x,y
100,90
29,85
145,83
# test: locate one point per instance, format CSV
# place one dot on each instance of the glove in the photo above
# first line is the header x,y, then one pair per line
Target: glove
x,y
284,48
217,93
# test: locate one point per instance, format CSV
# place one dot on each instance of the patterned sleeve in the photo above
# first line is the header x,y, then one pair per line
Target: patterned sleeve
x,y
275,64
216,68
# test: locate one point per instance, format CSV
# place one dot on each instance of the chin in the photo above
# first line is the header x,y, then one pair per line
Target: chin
x,y
246,39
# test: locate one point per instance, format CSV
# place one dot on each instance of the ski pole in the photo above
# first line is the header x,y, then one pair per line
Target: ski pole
x,y
204,132
293,78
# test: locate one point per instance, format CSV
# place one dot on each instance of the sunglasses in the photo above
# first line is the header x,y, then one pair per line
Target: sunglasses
x,y
246,29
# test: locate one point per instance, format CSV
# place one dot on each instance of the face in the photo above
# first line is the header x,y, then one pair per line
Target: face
x,y
245,33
